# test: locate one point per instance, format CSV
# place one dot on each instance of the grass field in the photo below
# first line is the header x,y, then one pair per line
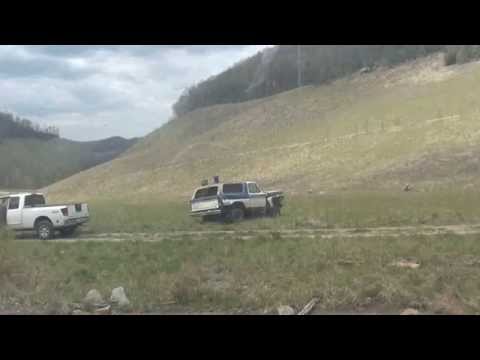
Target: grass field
x,y
254,276
219,274
233,275
337,209
351,274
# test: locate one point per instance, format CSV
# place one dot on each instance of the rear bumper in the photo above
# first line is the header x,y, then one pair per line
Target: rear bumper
x,y
75,222
206,212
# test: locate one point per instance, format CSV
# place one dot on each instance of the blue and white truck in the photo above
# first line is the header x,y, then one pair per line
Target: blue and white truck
x,y
233,201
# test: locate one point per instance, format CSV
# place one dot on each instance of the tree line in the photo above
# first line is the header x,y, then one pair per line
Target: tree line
x,y
279,69
12,126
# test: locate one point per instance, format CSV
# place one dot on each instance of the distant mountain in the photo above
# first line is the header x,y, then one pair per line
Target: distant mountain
x,y
32,158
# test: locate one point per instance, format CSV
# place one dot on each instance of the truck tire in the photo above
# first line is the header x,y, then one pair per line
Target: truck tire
x,y
44,230
68,231
236,214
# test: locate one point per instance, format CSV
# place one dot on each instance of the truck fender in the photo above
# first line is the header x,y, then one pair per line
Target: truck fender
x,y
41,218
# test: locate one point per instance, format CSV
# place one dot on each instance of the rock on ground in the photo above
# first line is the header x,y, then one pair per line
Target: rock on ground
x,y
107,310
407,264
409,312
119,298
80,312
93,298
285,310
448,304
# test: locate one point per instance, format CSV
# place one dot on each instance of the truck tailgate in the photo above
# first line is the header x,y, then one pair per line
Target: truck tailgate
x,y
76,211
205,204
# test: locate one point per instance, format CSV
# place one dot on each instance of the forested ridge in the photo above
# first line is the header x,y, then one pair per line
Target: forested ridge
x,y
285,67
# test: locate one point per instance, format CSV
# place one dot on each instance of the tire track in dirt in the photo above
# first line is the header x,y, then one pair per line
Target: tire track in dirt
x,y
277,234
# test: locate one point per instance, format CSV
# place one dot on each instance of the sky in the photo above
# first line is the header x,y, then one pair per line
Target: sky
x,y
94,92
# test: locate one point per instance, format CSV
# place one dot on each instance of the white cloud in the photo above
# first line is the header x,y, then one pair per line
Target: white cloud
x,y
91,92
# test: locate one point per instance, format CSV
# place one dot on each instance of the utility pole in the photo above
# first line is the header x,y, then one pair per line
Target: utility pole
x,y
299,65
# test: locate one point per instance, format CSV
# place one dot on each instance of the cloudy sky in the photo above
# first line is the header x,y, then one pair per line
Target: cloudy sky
x,y
93,92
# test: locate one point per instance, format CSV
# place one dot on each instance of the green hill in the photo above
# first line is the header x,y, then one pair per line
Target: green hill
x,y
416,123
30,162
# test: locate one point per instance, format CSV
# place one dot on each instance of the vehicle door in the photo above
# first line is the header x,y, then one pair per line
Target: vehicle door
x,y
258,198
14,212
3,211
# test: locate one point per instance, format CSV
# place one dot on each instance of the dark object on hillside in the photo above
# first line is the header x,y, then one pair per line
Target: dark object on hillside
x,y
216,179
407,188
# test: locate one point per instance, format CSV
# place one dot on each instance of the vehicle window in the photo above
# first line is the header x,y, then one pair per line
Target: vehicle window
x,y
206,192
14,203
232,188
34,200
253,188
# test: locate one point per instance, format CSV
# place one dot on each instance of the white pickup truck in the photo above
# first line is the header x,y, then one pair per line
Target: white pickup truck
x,y
234,201
27,212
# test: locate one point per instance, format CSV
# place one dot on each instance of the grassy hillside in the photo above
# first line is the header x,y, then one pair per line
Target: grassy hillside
x,y
416,123
34,162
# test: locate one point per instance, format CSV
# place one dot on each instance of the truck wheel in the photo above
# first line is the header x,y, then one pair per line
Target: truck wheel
x,y
44,230
68,231
236,214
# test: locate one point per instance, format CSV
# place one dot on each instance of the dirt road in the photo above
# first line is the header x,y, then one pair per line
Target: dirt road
x,y
400,231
